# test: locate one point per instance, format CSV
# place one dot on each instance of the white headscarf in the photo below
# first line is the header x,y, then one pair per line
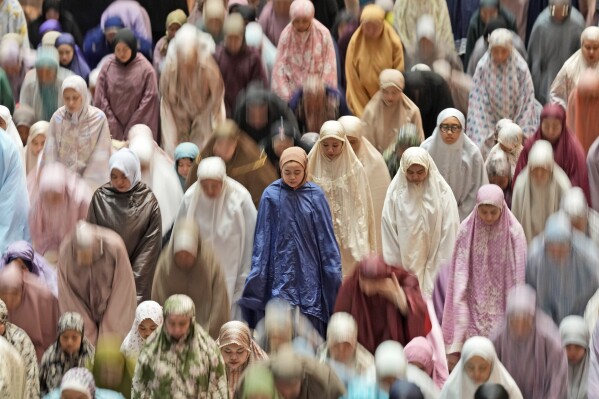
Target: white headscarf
x,y
574,330
133,343
459,385
127,162
37,129
509,136
11,129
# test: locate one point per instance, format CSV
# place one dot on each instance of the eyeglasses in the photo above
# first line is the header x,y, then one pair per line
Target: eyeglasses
x,y
454,128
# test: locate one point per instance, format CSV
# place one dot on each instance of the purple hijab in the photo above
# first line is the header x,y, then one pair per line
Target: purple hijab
x,y
49,26
537,361
34,262
78,64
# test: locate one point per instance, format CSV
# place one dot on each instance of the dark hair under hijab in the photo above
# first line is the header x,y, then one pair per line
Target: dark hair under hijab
x,y
405,390
128,37
491,391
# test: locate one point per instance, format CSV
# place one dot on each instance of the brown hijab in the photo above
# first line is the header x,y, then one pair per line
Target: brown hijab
x,y
295,154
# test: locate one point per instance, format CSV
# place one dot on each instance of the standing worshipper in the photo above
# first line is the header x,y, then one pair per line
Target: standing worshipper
x,y
127,206
567,152
174,21
111,310
333,165
407,16
561,267
14,202
587,57
489,259
79,135
388,110
53,10
192,91
305,48
41,87
528,345
458,159
274,18
133,15
12,375
71,56
295,244
188,266
539,190
503,88
180,358
22,252
12,20
148,318
239,64
554,38
127,88
482,44
576,338
581,116
226,217
420,218
35,145
373,48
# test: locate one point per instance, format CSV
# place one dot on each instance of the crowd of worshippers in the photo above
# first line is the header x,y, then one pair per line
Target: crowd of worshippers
x,y
295,199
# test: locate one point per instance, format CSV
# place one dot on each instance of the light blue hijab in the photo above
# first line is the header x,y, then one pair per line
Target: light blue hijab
x,y
185,150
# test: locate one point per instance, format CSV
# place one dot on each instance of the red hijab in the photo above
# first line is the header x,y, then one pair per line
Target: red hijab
x,y
567,151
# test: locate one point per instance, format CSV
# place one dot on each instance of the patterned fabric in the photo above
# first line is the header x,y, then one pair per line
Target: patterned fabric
x,y
12,19
189,368
407,13
133,342
56,362
12,372
79,380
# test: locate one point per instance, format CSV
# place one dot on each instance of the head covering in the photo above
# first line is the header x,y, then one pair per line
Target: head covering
x,y
212,168
419,350
127,162
509,143
405,390
491,391
11,129
113,24
234,25
298,155
574,331
78,64
342,327
126,36
50,25
301,9
258,381
47,57
81,380
391,78
24,116
185,150
501,38
134,342
574,204
175,17
78,84
12,372
390,360
34,262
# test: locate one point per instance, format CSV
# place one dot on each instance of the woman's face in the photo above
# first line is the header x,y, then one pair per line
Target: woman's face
x,y
551,129
332,148
372,29
122,52
540,176
489,214
234,356
342,352
225,148
172,30
37,144
478,369
119,181
211,187
293,174
575,353
3,124
72,100
500,54
301,24
177,326
521,325
45,75
184,166
391,95
416,174
65,54
590,51
146,328
450,129
70,341
355,143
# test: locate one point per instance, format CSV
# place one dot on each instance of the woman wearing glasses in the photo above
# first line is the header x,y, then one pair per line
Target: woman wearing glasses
x,y
458,159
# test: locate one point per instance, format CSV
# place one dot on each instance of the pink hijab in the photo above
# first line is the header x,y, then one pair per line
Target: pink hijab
x,y
420,350
272,25
488,260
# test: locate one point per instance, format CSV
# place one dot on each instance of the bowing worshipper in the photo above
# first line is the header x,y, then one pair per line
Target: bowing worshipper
x,y
333,165
274,18
71,56
22,252
482,44
479,364
575,337
487,11
148,318
430,93
16,61
185,155
245,161
59,199
41,87
554,38
258,383
71,349
386,303
23,118
502,89
128,207
374,166
305,48
174,21
35,145
111,310
213,19
420,353
111,370
477,270
458,159
14,202
239,64
509,142
189,266
373,48
586,57
499,173
407,136
226,217
192,90
79,135
529,337
180,358
20,341
388,110
259,109
418,199
239,351
538,192
282,136
342,351
53,10
583,102
12,375
290,211
31,305
127,88
568,153
79,382
13,20
157,173
561,268
584,219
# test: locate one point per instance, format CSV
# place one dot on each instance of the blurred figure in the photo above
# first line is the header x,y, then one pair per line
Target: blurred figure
x,y
80,381
53,10
6,97
16,61
258,383
133,15
256,39
185,156
407,136
99,42
22,253
111,369
583,218
148,318
213,19
9,128
407,21
12,375
576,337
405,390
499,173
12,20
491,391
23,118
420,353
174,21
509,142
71,56
580,116
282,136
274,18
